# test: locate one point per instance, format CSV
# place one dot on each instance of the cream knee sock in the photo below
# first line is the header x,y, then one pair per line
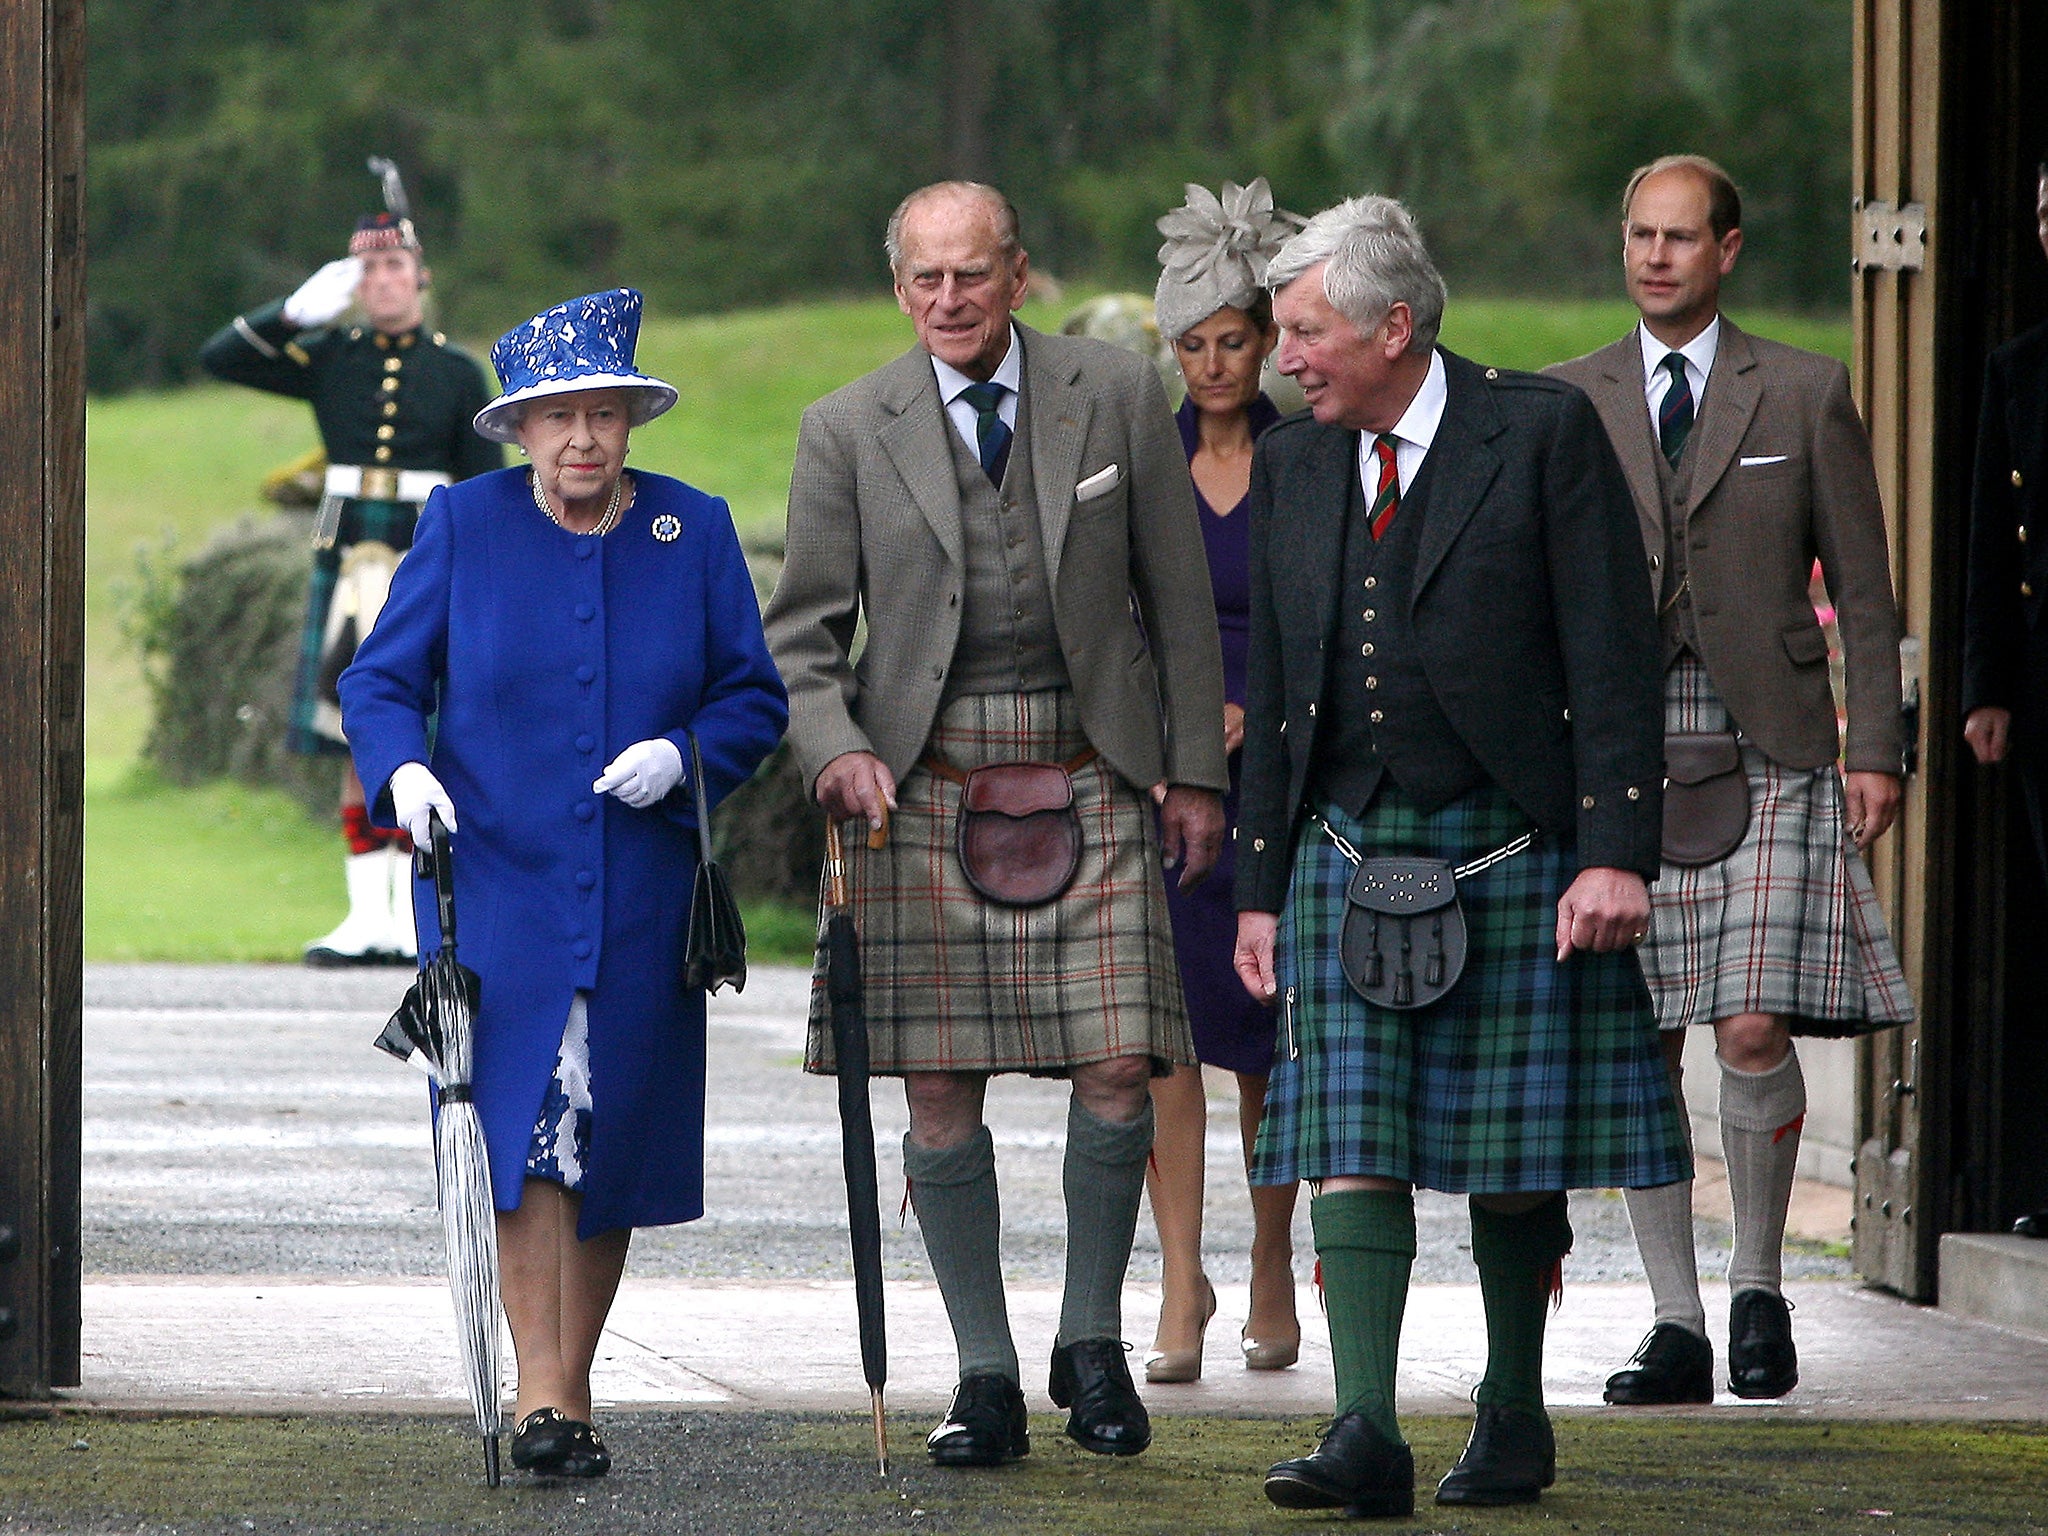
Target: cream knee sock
x,y
1761,1115
1662,1219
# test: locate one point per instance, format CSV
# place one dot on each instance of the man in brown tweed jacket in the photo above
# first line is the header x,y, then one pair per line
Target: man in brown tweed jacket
x,y
1010,515
1748,461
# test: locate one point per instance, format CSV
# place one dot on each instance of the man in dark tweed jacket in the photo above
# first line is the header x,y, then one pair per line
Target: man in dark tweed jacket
x,y
1452,648
1011,516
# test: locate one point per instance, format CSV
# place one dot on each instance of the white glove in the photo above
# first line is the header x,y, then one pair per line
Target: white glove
x,y
414,792
326,293
643,773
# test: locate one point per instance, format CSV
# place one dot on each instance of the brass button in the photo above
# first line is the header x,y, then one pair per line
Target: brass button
x,y
1372,682
383,454
1655,562
1366,649
1258,845
1371,582
2016,480
386,432
1567,714
1370,615
390,386
1586,804
2026,589
391,364
1634,793
405,341
383,342
1377,716
390,407
1493,373
1311,711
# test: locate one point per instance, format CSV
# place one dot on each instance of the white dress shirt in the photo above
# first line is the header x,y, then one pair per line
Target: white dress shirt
x,y
1699,364
1009,373
1412,434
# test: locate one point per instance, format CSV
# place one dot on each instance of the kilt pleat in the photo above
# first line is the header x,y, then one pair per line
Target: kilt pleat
x,y
952,982
387,522
1789,923
1529,1075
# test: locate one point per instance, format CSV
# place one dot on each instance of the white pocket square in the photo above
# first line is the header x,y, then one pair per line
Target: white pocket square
x,y
1763,458
1100,483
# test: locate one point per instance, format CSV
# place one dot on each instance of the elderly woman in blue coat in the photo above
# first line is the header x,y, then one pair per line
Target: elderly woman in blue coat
x,y
570,623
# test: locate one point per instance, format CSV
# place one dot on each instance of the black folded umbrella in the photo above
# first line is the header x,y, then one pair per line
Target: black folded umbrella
x,y
715,951
856,1132
438,1019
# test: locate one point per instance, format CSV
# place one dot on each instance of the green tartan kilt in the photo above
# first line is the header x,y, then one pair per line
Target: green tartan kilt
x,y
1529,1075
388,522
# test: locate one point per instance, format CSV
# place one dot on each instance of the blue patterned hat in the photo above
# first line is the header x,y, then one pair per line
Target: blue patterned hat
x,y
586,343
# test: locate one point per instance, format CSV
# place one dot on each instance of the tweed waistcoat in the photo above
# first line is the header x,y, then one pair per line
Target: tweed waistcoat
x,y
1007,640
1678,624
1378,713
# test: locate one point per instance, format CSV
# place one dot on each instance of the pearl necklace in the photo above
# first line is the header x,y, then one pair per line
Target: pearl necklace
x,y
605,524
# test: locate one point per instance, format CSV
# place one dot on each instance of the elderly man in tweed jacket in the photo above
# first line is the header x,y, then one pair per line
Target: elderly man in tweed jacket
x,y
1010,513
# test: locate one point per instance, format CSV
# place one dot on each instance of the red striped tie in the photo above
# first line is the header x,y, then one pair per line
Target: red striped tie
x,y
1386,500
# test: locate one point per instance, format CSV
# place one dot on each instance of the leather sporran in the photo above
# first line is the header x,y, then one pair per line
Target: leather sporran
x,y
1706,797
1402,943
1018,835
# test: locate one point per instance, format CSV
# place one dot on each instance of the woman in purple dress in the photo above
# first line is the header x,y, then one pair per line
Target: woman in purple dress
x,y
1211,306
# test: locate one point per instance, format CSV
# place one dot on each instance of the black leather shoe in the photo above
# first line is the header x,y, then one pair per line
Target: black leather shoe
x,y
1673,1365
1510,1459
1355,1467
1091,1377
549,1443
2033,1224
1761,1359
985,1427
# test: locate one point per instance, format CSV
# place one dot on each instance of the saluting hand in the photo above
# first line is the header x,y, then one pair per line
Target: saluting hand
x,y
324,295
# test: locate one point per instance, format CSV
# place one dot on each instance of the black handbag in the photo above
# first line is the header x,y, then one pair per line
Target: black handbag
x,y
1403,942
715,952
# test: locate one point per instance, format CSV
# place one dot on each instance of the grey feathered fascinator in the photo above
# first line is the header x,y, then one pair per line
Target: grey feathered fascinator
x,y
1216,252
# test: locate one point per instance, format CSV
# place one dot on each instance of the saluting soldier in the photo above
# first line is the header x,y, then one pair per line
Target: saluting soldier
x,y
393,402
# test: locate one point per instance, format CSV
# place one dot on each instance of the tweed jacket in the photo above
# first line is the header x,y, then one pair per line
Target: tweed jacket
x,y
1536,632
1781,474
875,535
2009,529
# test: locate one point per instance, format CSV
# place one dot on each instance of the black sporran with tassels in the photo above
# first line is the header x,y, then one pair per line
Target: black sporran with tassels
x,y
1402,943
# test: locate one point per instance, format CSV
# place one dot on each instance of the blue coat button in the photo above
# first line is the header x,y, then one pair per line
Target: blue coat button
x,y
585,612
585,879
580,949
585,810
585,742
585,673
585,548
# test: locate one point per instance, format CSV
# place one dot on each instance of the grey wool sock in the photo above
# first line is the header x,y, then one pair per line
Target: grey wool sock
x,y
1662,1219
1761,1116
1104,1176
953,1191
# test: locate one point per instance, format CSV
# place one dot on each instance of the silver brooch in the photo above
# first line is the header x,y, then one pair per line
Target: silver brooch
x,y
668,528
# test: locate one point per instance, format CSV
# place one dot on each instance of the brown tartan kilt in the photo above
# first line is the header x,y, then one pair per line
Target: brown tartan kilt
x,y
956,983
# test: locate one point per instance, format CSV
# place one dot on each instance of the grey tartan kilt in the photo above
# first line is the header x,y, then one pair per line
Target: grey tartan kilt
x,y
1529,1075
1789,923
955,983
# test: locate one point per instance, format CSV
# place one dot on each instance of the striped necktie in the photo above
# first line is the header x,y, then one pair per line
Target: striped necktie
x,y
1386,500
1674,416
991,434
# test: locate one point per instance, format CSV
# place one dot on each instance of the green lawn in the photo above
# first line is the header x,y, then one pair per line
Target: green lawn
x,y
225,873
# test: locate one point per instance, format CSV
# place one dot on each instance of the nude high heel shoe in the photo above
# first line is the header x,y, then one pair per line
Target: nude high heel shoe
x,y
1165,1366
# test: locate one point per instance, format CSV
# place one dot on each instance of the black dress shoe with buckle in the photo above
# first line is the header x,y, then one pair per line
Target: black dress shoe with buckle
x,y
1510,1459
1355,1468
1090,1377
1673,1365
1761,1359
549,1443
985,1426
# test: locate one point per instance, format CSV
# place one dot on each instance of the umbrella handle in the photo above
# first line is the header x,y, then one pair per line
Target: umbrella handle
x,y
835,866
444,877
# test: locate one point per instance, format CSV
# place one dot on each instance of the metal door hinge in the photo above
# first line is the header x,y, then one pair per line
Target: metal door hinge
x,y
1890,239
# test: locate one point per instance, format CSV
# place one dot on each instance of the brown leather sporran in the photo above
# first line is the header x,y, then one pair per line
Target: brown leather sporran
x,y
1018,835
1706,797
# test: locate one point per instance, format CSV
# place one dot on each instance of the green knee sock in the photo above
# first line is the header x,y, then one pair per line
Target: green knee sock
x,y
1517,1256
1365,1242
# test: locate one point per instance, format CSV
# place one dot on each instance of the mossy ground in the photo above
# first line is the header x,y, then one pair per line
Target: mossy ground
x,y
768,1472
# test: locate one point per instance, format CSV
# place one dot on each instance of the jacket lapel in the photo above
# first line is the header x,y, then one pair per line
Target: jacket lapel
x,y
1058,418
914,436
1733,391
1624,408
1310,517
1465,465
